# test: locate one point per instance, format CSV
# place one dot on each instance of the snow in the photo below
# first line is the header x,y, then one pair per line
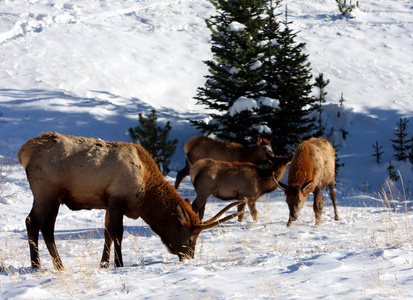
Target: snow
x,y
242,104
248,104
236,26
274,103
90,67
262,128
256,65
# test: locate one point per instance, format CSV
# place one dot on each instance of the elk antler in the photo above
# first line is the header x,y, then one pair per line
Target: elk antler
x,y
212,222
305,177
278,184
222,211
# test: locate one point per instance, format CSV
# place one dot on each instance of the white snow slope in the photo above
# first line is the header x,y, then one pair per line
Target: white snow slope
x,y
90,67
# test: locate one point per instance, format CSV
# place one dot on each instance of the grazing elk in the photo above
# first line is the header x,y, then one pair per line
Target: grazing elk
x,y
200,147
122,178
312,169
235,180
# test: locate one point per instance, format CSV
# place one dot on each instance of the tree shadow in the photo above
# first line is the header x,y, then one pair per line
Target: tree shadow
x,y
99,233
26,113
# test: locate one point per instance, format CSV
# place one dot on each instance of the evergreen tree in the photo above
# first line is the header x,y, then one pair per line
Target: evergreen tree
x,y
320,83
292,88
235,70
377,153
338,165
392,173
255,56
269,37
154,139
401,144
411,152
341,101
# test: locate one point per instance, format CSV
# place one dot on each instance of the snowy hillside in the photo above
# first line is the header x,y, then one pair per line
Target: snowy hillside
x,y
89,67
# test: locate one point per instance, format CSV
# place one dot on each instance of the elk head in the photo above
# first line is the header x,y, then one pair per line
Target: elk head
x,y
264,145
296,196
182,242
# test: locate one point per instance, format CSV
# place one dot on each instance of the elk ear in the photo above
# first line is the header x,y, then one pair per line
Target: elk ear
x,y
259,139
188,201
181,214
307,186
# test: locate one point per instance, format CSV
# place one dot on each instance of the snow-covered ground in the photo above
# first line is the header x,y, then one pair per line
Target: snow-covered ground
x,y
89,67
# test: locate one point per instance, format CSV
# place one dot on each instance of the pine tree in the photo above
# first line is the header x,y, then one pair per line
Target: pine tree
x,y
255,56
293,90
392,173
320,83
235,70
377,153
401,144
154,139
341,101
338,165
411,152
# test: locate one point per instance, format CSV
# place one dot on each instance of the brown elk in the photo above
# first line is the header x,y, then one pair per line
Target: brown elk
x,y
235,180
122,178
312,169
200,147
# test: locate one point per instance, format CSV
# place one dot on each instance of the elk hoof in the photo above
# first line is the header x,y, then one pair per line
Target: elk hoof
x,y
104,265
337,218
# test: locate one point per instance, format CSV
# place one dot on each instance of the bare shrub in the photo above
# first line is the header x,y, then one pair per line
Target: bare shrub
x,y
6,168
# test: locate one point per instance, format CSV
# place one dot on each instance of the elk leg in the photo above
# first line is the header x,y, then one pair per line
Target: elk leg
x,y
318,205
181,175
33,228
116,231
290,220
42,205
104,262
334,200
293,213
47,229
198,206
241,207
252,207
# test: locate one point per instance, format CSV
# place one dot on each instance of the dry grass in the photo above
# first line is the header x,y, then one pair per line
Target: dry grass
x,y
6,168
265,244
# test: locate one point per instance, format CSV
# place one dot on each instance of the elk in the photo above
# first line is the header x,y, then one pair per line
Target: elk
x,y
200,147
312,169
122,178
235,180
